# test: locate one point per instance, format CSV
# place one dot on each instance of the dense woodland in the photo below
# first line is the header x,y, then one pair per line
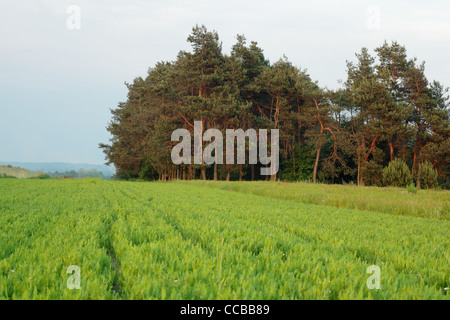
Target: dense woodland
x,y
385,112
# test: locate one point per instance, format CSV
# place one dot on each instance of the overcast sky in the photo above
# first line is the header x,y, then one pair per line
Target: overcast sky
x,y
57,84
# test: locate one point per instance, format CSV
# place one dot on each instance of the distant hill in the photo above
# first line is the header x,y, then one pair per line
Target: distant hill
x,y
16,172
49,167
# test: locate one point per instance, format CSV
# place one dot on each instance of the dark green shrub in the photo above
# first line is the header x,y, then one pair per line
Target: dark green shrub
x,y
373,174
397,174
446,184
304,165
148,172
428,176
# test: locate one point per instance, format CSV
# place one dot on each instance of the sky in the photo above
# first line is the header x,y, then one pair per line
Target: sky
x,y
64,64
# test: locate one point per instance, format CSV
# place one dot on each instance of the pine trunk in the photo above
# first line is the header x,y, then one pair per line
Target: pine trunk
x,y
316,164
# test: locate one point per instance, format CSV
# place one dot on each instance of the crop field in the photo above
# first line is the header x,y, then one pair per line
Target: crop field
x,y
206,240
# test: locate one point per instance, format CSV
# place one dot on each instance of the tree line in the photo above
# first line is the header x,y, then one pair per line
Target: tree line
x,y
385,112
81,173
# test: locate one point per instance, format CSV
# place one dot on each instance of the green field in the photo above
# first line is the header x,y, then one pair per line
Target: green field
x,y
425,203
198,240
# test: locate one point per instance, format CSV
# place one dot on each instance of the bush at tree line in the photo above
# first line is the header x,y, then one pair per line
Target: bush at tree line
x,y
428,177
397,174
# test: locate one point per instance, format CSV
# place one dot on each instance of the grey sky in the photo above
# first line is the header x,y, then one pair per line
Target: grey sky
x,y
57,85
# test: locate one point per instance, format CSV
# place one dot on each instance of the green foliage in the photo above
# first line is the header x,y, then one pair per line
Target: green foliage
x,y
148,172
303,168
385,103
428,176
446,184
373,173
411,188
397,174
126,176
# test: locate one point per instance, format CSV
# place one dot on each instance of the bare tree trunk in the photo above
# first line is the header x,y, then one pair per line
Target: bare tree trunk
x,y
203,169
316,164
293,160
391,151
418,178
273,176
361,177
414,163
359,171
203,173
228,172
